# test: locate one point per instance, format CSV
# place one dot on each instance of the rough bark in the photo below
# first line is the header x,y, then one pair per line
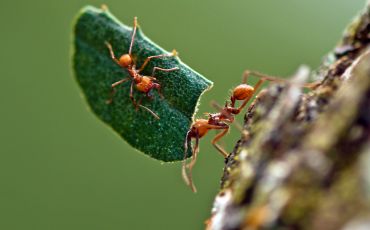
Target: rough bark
x,y
303,161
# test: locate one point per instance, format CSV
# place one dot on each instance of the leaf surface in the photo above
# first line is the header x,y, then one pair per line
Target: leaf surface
x,y
95,71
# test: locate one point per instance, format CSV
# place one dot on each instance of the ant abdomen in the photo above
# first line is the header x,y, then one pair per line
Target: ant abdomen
x,y
145,84
242,92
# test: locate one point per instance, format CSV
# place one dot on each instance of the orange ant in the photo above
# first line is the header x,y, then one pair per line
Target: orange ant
x,y
142,83
221,120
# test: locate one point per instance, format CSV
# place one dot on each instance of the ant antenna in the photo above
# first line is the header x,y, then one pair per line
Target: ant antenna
x,y
133,35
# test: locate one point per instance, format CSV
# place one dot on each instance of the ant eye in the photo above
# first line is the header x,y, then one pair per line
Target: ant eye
x,y
125,60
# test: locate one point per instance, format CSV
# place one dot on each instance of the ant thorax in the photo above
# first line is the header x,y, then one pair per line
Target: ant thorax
x,y
132,72
138,79
217,119
214,117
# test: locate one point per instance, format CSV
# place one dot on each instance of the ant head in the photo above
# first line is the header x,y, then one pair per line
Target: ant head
x,y
243,91
125,60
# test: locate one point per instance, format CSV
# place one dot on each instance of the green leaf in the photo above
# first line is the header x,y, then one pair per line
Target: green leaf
x,y
95,71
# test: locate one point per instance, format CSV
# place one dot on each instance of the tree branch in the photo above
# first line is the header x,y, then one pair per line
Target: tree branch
x,y
304,163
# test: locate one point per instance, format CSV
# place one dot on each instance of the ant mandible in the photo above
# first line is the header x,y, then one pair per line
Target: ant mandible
x,y
144,84
221,121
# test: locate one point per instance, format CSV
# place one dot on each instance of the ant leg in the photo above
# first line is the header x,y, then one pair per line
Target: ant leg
x,y
310,86
186,144
113,91
111,52
173,53
132,94
267,77
217,138
133,35
139,105
258,97
218,107
154,86
149,95
235,122
187,173
195,153
150,111
165,70
158,87
245,76
215,105
183,169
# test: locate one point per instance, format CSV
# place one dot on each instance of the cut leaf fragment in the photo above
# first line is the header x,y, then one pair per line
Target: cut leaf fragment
x,y
95,71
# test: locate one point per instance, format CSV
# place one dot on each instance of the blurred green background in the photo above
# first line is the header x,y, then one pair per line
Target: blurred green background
x,y
61,168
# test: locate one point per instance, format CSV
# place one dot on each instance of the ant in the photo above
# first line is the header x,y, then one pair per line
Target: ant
x,y
144,84
223,119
